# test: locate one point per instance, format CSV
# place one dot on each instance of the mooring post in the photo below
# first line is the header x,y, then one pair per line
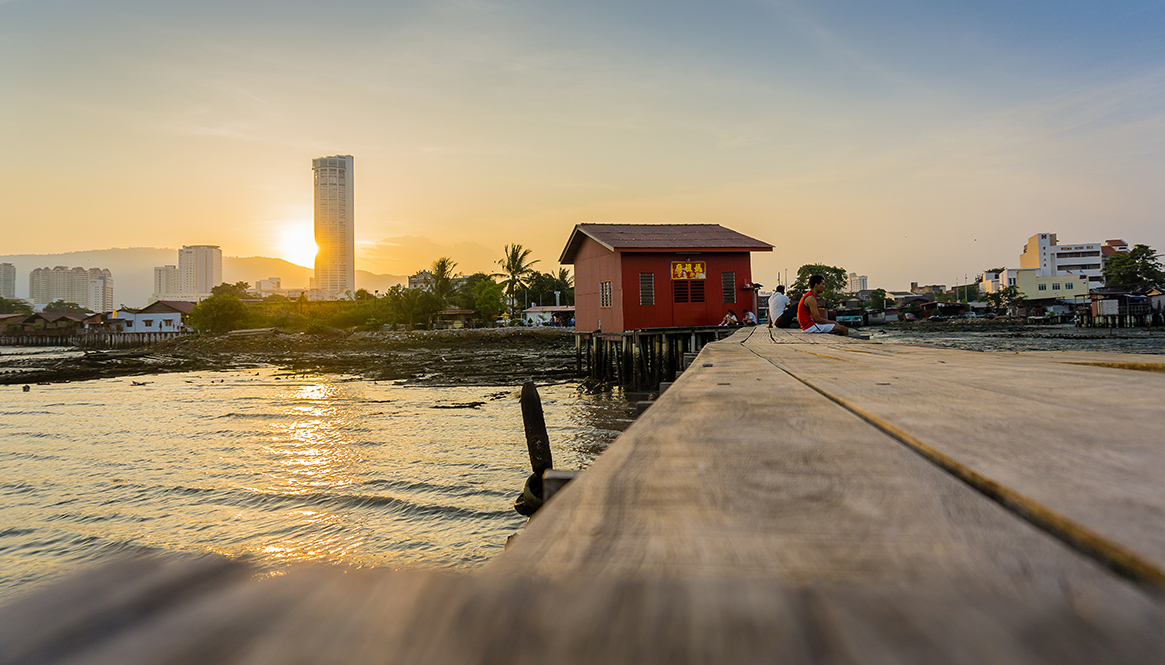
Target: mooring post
x,y
537,440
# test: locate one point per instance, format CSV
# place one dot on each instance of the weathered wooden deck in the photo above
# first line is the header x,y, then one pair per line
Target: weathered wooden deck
x,y
792,498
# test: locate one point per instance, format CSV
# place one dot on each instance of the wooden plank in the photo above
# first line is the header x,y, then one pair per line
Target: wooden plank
x,y
1080,442
741,471
314,615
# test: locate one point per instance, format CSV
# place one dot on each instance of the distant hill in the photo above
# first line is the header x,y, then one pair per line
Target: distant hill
x,y
133,270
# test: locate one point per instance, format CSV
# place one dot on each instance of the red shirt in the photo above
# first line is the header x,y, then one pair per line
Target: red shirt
x,y
804,316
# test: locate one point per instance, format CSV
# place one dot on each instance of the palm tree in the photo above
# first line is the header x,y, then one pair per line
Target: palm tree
x,y
443,279
516,269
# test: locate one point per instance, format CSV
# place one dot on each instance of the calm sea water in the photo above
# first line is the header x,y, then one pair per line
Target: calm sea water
x,y
1065,337
274,467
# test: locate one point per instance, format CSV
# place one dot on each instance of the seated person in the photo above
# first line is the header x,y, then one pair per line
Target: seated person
x,y
729,319
749,317
809,314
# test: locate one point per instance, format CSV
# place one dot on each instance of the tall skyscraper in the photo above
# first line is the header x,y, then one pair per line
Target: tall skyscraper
x,y
7,281
199,269
334,226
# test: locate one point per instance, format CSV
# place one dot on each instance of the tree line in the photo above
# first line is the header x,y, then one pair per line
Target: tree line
x,y
488,296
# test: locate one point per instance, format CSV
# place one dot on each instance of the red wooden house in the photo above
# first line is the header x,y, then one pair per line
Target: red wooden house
x,y
636,276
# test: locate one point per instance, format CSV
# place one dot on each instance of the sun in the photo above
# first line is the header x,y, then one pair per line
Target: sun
x,y
297,245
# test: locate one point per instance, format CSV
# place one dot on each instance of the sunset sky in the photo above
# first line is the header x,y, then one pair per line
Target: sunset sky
x,y
908,141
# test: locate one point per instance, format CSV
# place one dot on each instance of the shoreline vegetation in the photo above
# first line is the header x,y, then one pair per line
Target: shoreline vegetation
x,y
481,356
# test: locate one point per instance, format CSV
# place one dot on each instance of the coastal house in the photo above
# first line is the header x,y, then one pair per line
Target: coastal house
x,y
158,316
637,276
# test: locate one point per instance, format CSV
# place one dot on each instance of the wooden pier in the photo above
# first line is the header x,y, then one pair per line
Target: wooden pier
x,y
641,359
790,499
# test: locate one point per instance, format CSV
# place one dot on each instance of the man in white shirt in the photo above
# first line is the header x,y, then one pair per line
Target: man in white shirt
x,y
777,304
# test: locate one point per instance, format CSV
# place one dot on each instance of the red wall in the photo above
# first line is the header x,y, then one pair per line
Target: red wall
x,y
594,263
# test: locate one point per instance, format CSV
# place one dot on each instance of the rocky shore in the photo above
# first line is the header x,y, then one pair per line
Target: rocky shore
x,y
441,357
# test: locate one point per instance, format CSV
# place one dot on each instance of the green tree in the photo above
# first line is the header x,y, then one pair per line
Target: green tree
x,y
411,306
516,269
1137,268
238,289
364,294
219,313
488,300
463,297
443,278
878,298
1004,299
67,307
836,281
14,307
543,285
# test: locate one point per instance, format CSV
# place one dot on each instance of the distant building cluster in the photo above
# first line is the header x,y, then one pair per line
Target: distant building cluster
x,y
91,288
1048,269
857,283
198,271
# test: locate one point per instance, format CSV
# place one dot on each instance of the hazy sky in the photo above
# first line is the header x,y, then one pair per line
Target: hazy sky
x,y
909,141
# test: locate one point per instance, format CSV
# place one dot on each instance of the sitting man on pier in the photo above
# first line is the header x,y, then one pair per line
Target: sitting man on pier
x,y
809,315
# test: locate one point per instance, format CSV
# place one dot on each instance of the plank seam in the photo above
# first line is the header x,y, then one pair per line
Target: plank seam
x,y
1112,555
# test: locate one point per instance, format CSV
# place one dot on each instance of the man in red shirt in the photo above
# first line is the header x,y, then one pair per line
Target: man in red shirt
x,y
809,315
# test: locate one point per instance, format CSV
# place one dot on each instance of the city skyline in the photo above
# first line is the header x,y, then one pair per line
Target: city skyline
x,y
881,139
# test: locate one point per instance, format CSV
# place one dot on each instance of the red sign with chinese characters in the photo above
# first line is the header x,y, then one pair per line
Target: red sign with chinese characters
x,y
688,270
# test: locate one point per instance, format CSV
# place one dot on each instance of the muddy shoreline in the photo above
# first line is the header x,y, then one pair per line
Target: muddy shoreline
x,y
497,356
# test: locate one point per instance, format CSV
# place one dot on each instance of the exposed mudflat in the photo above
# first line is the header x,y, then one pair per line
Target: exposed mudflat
x,y
490,356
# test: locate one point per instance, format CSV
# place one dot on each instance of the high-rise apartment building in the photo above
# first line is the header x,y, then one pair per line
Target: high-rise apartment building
x,y
92,288
166,282
7,281
199,269
857,282
335,231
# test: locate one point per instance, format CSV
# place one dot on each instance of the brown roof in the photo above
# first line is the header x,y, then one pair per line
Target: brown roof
x,y
160,306
661,238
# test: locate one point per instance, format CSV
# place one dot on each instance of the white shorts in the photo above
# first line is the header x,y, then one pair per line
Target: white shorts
x,y
819,328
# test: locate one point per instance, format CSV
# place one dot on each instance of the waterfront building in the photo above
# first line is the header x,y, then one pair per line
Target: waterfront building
x,y
335,230
7,281
90,288
1051,259
159,316
635,276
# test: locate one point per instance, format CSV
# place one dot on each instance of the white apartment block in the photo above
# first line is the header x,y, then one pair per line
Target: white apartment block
x,y
165,282
857,282
199,268
90,288
269,285
198,271
7,281
335,231
1051,259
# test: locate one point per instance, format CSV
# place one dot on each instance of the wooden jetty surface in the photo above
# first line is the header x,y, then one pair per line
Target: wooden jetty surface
x,y
792,498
